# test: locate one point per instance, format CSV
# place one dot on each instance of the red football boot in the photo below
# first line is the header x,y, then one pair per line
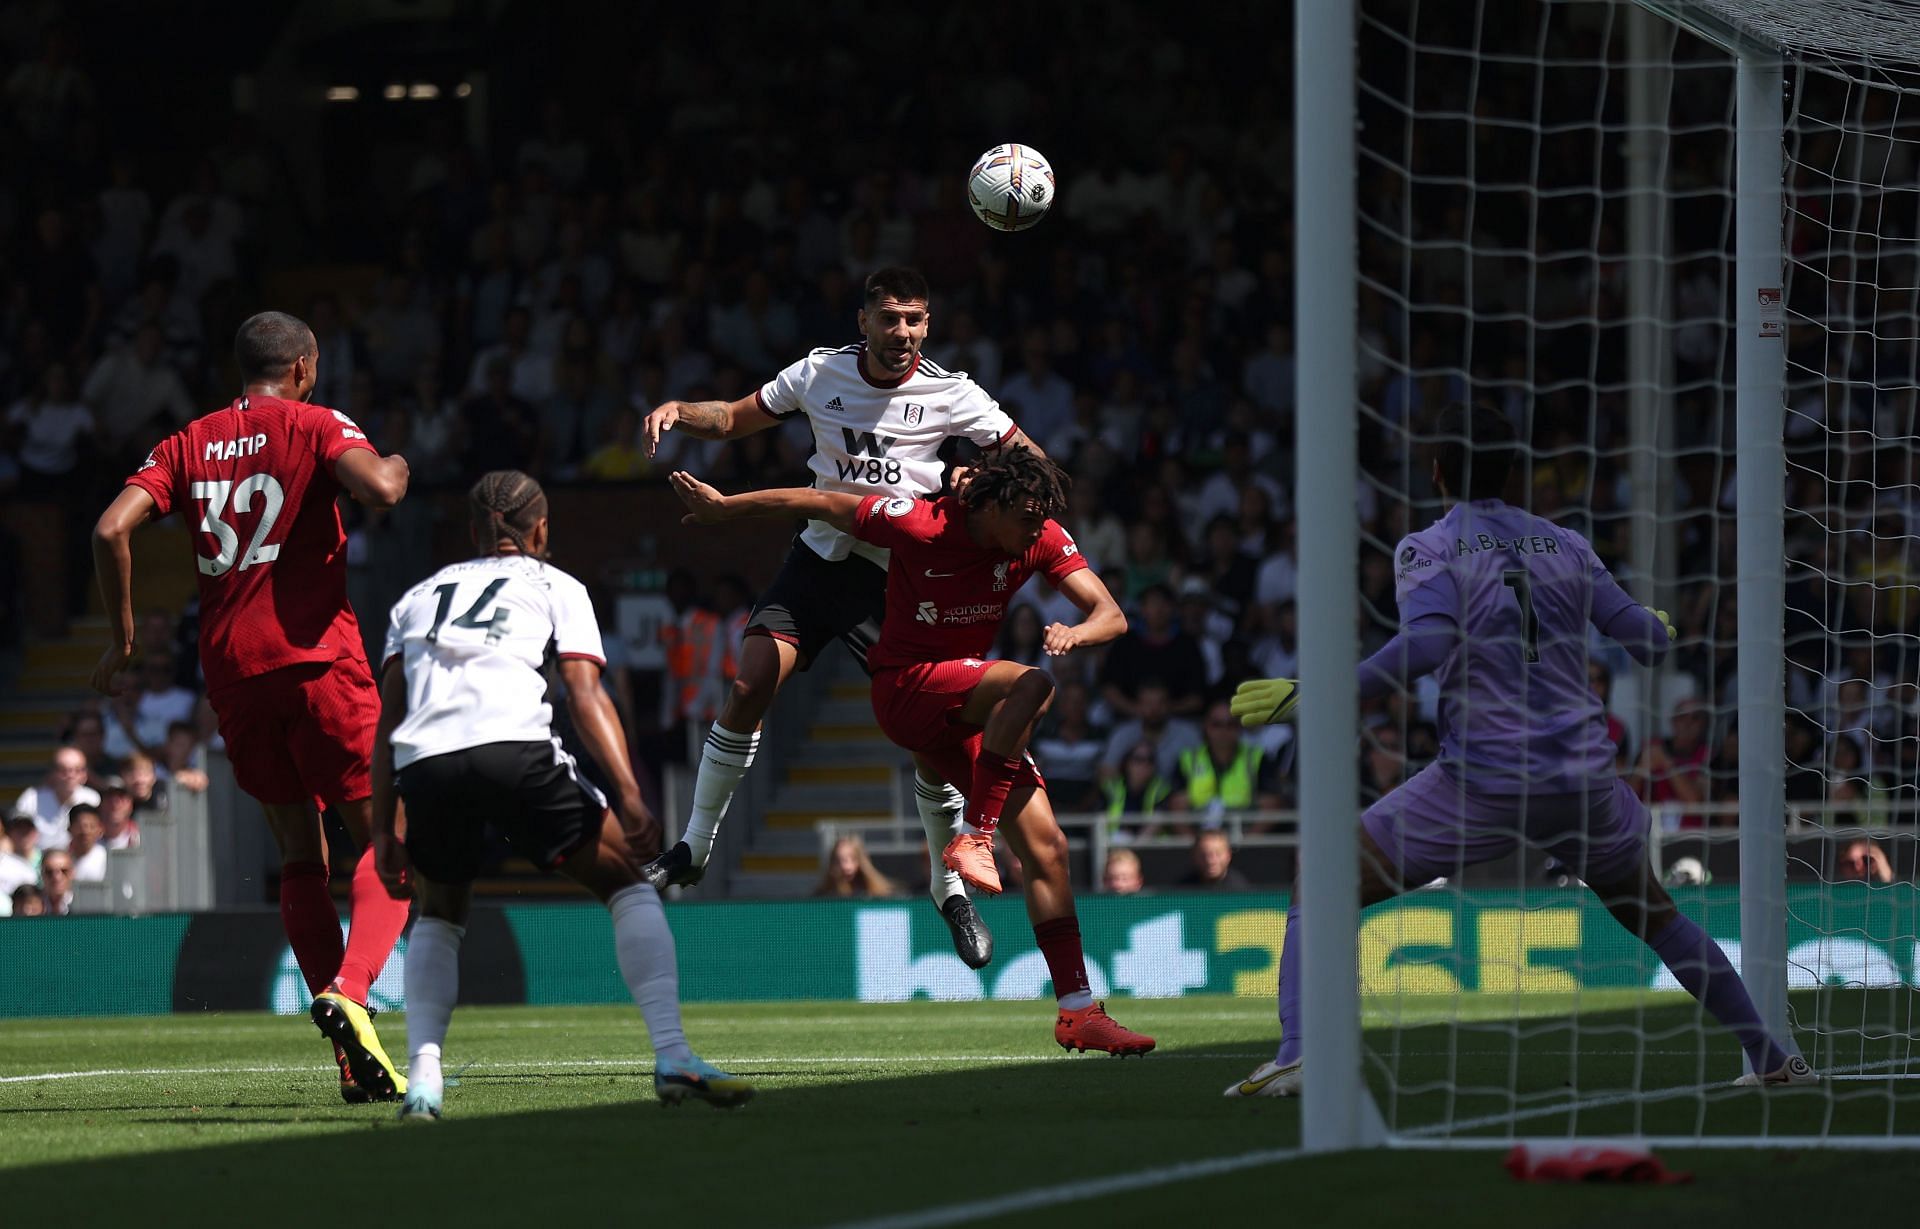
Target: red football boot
x,y
1091,1028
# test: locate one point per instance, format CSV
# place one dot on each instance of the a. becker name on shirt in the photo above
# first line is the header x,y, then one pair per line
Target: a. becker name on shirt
x,y
1537,544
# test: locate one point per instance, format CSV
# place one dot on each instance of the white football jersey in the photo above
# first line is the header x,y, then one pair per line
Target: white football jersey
x,y
879,439
473,639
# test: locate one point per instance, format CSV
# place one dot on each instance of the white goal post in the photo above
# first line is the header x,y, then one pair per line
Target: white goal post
x,y
1744,196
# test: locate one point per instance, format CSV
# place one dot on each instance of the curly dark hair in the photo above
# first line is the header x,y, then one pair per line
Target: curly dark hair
x,y
505,504
1016,477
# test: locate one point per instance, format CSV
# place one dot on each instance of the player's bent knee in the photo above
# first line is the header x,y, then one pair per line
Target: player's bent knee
x,y
748,697
1035,689
605,865
758,680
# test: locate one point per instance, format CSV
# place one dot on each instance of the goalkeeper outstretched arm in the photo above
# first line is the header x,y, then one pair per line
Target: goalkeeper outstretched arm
x,y
1420,647
1417,649
1645,633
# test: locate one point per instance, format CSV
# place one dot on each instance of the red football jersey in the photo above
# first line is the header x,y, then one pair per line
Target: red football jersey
x,y
946,593
258,476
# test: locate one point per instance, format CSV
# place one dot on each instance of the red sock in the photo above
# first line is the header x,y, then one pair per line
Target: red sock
x,y
378,920
992,782
1060,943
312,925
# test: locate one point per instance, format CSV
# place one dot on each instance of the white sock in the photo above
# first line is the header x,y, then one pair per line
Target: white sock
x,y
644,945
941,807
724,760
1078,1000
433,985
423,1072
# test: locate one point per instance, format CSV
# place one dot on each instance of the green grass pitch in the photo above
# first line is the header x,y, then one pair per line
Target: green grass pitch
x,y
871,1112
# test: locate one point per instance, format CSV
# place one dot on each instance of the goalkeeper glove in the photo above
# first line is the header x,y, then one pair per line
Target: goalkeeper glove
x,y
1259,702
1665,622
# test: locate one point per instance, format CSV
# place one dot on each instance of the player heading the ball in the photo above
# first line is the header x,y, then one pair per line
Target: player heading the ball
x,y
957,562
880,412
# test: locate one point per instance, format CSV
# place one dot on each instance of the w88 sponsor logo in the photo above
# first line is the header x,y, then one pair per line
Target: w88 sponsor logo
x,y
866,460
874,471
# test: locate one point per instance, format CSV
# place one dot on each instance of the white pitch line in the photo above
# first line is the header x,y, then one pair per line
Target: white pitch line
x,y
557,1064
1095,1188
1876,1079
1072,1192
1141,1008
1604,1100
47,1077
1855,1072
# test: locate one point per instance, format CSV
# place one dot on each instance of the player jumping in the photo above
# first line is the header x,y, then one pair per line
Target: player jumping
x,y
465,722
957,562
879,412
1498,601
286,672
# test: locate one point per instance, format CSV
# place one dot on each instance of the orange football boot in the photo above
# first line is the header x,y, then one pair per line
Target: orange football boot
x,y
1091,1028
970,856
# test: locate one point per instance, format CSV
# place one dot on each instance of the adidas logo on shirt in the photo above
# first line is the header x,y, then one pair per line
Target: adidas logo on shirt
x,y
834,405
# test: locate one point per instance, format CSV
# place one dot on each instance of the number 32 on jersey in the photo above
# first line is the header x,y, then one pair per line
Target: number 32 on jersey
x,y
212,521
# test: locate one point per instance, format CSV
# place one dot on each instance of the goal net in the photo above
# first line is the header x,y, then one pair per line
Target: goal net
x,y
1552,219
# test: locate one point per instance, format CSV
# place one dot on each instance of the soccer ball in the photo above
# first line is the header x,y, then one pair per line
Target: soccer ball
x,y
1010,187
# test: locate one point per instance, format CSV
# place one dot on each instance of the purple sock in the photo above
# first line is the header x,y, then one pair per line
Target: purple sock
x,y
1289,1051
1700,966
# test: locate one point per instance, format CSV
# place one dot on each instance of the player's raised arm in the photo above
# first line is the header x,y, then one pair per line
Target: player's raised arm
x,y
706,420
1104,620
374,481
706,506
113,567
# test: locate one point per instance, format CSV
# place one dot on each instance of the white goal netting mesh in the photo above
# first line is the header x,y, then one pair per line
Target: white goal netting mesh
x,y
1852,219
1547,222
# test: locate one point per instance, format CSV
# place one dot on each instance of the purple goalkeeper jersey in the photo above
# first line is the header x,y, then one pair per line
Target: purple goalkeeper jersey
x,y
1516,712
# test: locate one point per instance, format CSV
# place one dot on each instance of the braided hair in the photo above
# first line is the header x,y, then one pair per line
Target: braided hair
x,y
505,504
1015,478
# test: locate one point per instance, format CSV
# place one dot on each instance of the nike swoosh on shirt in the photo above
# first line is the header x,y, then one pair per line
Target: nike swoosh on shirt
x,y
938,575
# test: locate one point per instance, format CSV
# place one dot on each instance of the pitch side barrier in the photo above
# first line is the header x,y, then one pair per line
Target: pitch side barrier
x,y
1822,843
1549,942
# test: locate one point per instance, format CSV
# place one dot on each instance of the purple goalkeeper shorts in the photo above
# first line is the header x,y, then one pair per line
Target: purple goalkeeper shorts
x,y
1429,827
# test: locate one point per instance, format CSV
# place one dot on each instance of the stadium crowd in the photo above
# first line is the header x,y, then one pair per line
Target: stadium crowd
x,y
116,764
537,292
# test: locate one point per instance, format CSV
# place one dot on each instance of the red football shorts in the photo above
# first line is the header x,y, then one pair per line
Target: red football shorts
x,y
918,708
302,731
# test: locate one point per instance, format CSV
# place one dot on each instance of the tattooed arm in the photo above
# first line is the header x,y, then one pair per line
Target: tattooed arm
x,y
707,420
1020,439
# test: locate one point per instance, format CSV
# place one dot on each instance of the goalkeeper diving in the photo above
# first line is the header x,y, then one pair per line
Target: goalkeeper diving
x,y
1498,601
